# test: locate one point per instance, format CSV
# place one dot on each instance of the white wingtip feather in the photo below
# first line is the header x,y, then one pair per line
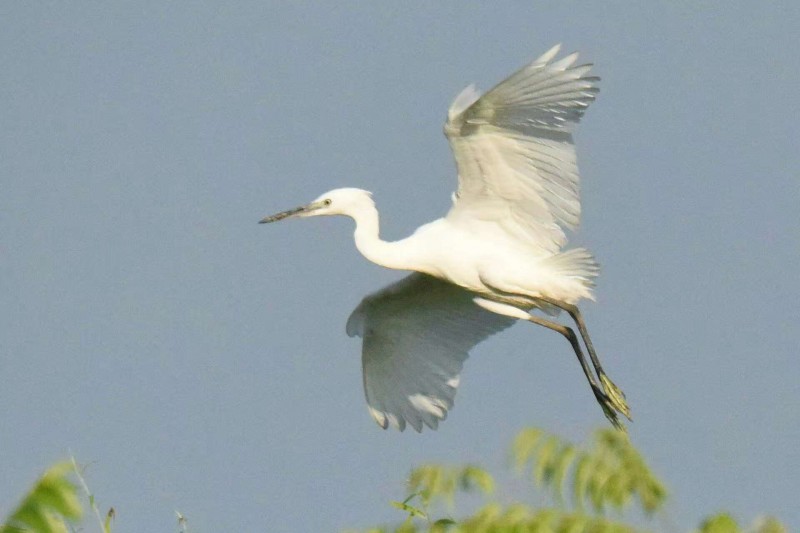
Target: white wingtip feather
x,y
566,62
379,417
547,56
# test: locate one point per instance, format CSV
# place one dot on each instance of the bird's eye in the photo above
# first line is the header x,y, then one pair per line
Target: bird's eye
x,y
327,201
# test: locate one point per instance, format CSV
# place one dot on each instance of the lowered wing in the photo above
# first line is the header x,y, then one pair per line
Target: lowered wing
x,y
416,334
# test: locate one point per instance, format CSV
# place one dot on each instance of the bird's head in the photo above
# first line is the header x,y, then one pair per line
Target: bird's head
x,y
345,201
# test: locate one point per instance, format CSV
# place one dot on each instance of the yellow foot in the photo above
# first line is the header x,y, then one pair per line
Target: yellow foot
x,y
615,396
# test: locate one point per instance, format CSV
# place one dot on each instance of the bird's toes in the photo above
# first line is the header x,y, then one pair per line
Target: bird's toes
x,y
615,396
609,409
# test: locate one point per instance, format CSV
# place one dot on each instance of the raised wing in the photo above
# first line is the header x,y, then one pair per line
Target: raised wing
x,y
517,171
416,334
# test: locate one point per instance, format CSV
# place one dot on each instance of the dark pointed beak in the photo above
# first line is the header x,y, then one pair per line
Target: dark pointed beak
x,y
283,214
296,212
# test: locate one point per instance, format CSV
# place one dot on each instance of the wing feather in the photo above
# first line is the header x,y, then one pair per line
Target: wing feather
x,y
417,333
517,169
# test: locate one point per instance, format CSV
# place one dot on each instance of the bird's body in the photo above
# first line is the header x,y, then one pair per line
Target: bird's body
x,y
503,239
483,261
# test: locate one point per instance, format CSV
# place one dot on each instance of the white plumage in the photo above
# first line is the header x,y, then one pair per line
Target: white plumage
x,y
500,246
417,333
515,154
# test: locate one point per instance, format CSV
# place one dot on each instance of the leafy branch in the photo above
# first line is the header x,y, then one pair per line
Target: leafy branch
x,y
49,506
608,474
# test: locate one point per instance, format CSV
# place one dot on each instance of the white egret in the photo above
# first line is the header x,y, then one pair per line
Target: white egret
x,y
501,243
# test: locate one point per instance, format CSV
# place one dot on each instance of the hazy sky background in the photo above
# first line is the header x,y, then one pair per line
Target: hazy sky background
x,y
199,360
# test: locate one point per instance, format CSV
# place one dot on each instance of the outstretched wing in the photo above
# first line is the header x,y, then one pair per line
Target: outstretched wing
x,y
517,171
416,334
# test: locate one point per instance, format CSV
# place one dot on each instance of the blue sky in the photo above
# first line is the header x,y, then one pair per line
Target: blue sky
x,y
199,360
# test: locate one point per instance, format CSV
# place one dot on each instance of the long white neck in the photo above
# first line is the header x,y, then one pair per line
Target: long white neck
x,y
367,236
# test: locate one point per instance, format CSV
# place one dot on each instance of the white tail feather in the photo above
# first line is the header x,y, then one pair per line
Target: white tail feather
x,y
578,264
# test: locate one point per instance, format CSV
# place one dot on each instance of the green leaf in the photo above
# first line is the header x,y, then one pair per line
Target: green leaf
x,y
721,523
51,501
442,525
524,446
411,510
543,470
473,476
583,473
562,462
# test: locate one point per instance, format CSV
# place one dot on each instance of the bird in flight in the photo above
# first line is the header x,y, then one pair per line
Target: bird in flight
x,y
497,255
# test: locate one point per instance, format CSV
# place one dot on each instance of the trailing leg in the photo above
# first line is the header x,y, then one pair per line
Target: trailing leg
x,y
606,402
602,398
613,392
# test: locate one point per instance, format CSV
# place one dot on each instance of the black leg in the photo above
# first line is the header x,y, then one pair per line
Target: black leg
x,y
602,398
613,392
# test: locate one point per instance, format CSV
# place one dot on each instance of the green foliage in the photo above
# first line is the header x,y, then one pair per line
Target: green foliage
x,y
523,519
442,482
721,523
608,474
769,525
725,523
494,518
51,503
